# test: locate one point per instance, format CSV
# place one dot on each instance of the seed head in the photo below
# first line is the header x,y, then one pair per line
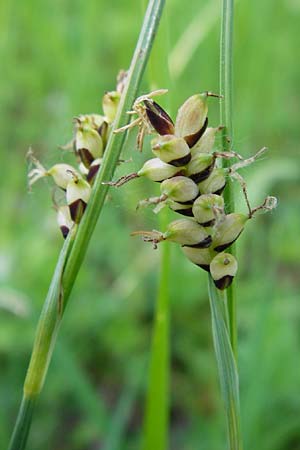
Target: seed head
x,y
187,232
206,208
200,167
223,269
179,189
206,142
215,183
200,256
227,230
62,174
110,103
77,195
158,117
64,220
172,150
191,119
157,170
88,144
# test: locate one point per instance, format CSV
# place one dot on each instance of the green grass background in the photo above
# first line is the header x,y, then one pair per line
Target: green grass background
x,y
57,58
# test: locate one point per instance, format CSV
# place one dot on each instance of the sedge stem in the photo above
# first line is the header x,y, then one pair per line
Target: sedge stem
x,y
226,83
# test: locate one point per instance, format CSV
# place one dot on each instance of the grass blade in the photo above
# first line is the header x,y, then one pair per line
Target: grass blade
x,y
226,366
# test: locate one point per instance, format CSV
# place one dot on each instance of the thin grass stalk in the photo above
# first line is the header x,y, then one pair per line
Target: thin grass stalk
x,y
156,420
74,249
226,366
222,304
156,423
226,85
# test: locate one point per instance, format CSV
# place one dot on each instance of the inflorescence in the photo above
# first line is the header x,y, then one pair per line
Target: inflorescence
x,y
192,181
91,133
185,164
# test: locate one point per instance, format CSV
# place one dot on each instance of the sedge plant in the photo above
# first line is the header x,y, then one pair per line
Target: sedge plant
x,y
76,243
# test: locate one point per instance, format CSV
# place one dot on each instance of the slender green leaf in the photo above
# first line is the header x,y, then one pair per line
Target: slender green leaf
x,y
226,366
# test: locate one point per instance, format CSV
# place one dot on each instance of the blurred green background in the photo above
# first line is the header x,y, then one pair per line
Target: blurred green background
x,y
57,58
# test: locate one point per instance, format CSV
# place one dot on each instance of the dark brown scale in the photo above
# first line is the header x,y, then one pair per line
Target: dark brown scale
x,y
224,282
184,212
159,118
77,209
204,267
192,139
85,156
188,202
198,177
102,131
203,244
222,247
65,231
92,173
181,161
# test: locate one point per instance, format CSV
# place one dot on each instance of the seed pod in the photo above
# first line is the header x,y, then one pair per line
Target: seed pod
x,y
159,119
110,103
206,207
187,232
97,120
215,183
228,230
77,195
200,256
64,220
93,121
185,210
223,269
88,144
171,150
191,120
103,131
82,169
62,174
157,170
180,189
200,167
94,167
206,142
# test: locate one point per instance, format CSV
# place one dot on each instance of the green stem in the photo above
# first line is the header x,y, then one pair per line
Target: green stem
x,y
228,374
156,420
23,422
223,305
157,405
226,68
74,249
